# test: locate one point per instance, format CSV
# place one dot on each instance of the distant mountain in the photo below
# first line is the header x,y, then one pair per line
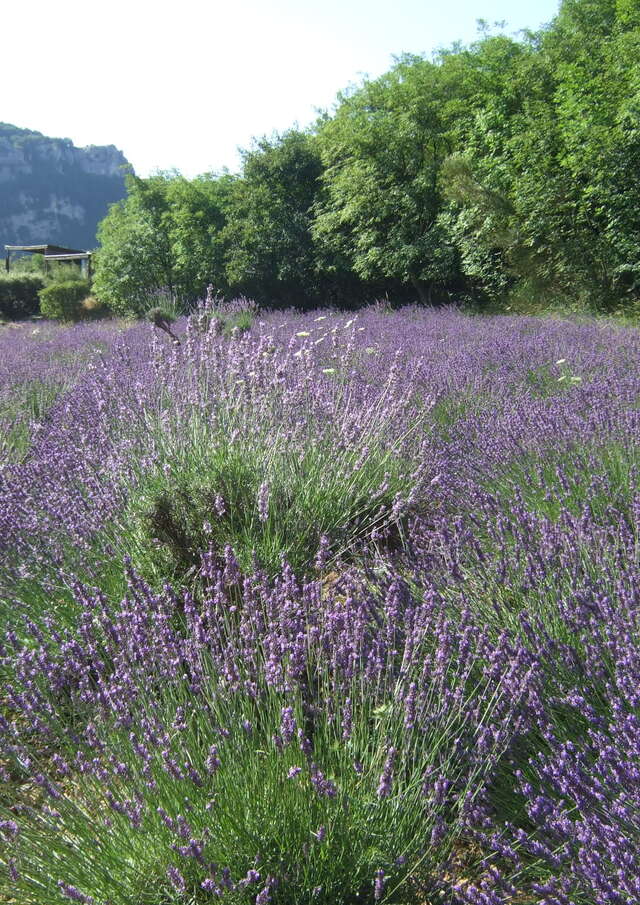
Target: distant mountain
x,y
51,191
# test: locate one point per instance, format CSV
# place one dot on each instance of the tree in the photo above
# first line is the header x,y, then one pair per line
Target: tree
x,y
382,152
165,236
504,186
133,260
509,168
270,249
199,211
544,197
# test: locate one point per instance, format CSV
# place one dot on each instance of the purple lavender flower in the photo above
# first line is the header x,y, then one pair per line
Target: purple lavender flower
x,y
324,787
386,777
287,725
71,892
263,501
378,887
176,879
530,528
9,828
213,762
323,554
347,720
264,895
253,876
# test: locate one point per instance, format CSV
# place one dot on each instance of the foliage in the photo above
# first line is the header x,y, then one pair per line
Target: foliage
x,y
161,313
270,251
62,272
164,237
222,478
166,306
39,362
28,263
49,271
29,405
382,152
541,200
63,301
275,790
260,502
503,173
19,295
93,308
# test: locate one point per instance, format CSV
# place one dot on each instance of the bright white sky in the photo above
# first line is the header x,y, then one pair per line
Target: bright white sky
x,y
184,84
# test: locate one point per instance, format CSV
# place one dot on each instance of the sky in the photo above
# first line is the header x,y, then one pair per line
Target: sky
x,y
184,84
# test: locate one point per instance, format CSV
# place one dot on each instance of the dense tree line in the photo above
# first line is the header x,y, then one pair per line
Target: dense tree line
x,y
506,172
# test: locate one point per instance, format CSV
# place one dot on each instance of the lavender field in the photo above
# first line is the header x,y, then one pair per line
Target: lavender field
x,y
337,609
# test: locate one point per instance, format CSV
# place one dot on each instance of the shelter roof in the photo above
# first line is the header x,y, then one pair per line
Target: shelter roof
x,y
46,250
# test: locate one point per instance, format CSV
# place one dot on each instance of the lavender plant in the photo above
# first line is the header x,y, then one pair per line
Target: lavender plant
x,y
303,747
443,709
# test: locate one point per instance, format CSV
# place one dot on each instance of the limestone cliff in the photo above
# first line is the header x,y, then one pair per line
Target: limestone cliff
x,y
51,191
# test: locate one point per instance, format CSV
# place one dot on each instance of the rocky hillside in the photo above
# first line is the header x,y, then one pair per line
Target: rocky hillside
x,y
51,191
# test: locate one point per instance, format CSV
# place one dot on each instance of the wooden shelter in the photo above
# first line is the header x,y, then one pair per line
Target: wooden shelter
x,y
51,253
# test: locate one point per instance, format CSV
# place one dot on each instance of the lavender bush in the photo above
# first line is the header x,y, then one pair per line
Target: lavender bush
x,y
333,609
242,745
38,363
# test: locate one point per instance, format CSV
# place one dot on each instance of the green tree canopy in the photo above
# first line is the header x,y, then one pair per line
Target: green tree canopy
x,y
270,249
382,153
164,236
506,169
540,197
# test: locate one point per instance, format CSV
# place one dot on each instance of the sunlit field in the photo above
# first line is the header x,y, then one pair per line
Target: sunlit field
x,y
320,608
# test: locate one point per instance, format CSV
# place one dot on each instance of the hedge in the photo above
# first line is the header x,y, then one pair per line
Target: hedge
x,y
19,295
63,301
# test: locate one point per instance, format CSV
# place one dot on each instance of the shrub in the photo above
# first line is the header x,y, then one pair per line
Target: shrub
x,y
19,295
93,308
237,314
160,313
22,414
260,498
28,263
63,272
163,303
63,301
242,321
270,470
306,748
